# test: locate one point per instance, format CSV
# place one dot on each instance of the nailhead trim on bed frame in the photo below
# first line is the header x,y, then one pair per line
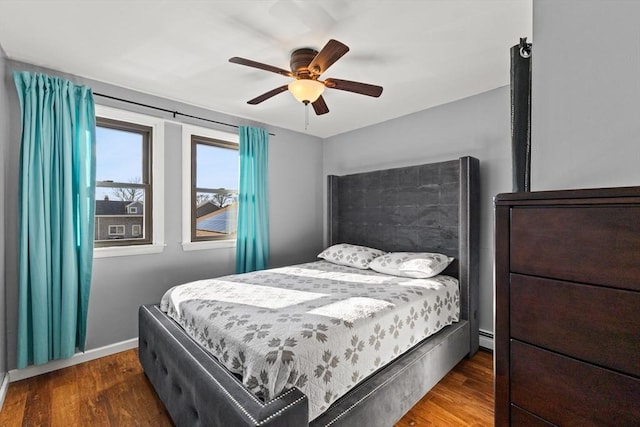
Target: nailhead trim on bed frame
x,y
378,387
235,402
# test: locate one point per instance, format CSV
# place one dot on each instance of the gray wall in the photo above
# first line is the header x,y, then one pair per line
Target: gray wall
x,y
585,94
478,126
121,284
585,131
4,136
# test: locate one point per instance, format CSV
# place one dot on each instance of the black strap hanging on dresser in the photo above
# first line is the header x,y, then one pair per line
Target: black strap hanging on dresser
x,y
521,115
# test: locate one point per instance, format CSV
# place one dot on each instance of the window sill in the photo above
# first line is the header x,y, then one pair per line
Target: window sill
x,y
114,251
213,244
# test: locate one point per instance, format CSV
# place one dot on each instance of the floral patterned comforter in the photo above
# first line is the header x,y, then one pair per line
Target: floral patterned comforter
x,y
318,326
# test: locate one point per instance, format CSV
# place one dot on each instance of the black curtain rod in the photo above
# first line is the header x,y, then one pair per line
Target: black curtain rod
x,y
175,113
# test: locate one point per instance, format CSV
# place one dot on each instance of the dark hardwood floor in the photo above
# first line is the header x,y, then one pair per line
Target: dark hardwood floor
x,y
113,391
464,397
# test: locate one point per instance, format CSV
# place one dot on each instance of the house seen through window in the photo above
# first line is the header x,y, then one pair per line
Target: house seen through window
x,y
123,183
214,189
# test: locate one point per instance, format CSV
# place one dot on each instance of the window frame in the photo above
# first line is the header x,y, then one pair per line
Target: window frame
x,y
218,138
146,185
195,140
117,226
156,243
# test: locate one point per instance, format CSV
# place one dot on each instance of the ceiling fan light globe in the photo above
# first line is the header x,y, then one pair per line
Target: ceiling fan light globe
x,y
306,90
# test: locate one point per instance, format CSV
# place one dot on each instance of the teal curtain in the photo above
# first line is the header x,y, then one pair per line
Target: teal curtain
x,y
252,248
57,192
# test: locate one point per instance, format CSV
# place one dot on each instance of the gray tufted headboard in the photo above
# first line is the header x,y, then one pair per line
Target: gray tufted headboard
x,y
425,208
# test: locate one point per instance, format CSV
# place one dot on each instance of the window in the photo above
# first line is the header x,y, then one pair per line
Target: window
x,y
210,188
116,230
129,184
214,189
123,181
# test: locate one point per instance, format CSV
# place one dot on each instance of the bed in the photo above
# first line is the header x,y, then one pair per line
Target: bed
x,y
424,208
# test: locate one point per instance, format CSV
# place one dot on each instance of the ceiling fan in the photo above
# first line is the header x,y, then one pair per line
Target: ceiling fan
x,y
306,66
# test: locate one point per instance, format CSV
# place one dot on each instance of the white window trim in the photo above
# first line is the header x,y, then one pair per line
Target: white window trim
x,y
133,227
157,164
187,132
116,233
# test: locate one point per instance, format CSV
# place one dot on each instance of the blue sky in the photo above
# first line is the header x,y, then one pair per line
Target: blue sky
x,y
119,158
118,155
217,167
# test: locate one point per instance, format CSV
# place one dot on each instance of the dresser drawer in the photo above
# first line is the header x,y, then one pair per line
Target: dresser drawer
x,y
589,244
568,392
521,418
592,323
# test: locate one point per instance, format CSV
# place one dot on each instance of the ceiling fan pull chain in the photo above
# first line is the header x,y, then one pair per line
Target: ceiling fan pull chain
x,y
306,115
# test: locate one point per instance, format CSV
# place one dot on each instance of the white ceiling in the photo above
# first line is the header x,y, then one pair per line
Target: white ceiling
x,y
423,52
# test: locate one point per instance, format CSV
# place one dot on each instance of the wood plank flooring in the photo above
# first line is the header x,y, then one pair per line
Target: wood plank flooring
x,y
113,391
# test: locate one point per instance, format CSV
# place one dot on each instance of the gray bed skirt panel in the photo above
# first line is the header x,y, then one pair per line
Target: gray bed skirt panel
x,y
186,377
396,388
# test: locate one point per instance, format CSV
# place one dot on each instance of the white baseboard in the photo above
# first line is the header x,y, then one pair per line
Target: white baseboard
x,y
3,388
486,339
96,353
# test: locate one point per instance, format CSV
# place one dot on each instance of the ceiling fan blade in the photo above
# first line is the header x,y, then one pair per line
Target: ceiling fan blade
x,y
320,107
329,54
261,66
267,95
355,87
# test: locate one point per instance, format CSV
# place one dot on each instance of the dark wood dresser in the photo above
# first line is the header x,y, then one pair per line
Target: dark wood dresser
x,y
567,308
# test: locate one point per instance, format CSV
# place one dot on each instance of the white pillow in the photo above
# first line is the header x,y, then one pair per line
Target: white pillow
x,y
350,255
417,265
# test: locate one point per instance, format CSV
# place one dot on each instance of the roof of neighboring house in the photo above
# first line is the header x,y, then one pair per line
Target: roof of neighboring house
x,y
223,220
116,207
206,208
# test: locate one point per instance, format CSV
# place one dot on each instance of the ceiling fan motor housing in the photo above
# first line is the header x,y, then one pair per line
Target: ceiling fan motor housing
x,y
300,60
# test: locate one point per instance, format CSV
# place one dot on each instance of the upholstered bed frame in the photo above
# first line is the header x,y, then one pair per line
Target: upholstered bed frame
x,y
430,208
